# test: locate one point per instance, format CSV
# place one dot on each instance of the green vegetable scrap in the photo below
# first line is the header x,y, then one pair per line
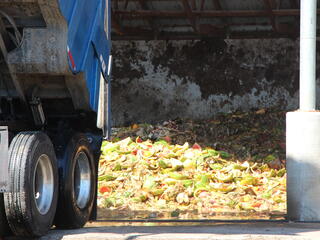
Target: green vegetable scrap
x,y
142,175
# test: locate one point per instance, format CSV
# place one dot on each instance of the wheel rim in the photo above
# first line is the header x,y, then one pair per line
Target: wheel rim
x,y
82,180
43,184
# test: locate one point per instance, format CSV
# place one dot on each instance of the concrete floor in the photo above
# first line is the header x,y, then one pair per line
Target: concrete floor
x,y
204,231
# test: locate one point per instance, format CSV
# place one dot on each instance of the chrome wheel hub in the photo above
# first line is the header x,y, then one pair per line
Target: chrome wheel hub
x,y
43,184
82,180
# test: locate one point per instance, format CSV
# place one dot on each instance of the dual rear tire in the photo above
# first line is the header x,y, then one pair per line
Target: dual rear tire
x,y
77,184
38,183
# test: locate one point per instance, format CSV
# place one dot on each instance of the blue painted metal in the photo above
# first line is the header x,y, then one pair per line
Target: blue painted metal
x,y
88,43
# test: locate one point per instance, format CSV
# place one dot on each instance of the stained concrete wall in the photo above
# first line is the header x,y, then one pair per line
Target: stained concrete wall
x,y
158,80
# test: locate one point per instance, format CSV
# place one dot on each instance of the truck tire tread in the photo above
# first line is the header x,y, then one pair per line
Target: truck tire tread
x,y
22,213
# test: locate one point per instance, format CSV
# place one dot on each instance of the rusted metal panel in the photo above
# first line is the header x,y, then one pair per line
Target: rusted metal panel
x,y
195,19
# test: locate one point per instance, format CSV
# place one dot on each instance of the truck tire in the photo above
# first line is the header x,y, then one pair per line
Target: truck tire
x,y
33,182
77,184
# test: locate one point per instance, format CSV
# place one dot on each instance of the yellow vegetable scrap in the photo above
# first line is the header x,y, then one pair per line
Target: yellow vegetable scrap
x,y
145,175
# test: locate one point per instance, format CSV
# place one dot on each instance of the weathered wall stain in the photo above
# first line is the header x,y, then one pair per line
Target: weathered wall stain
x,y
158,80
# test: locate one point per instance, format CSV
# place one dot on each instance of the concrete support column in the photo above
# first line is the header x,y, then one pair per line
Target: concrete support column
x,y
303,166
308,26
303,129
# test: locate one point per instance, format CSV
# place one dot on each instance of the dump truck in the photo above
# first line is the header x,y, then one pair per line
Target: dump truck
x,y
55,67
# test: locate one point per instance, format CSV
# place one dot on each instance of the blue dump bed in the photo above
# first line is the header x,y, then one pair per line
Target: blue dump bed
x,y
59,55
88,45
55,63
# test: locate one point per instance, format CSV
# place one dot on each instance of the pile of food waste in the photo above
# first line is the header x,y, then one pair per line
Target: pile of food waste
x,y
257,136
159,176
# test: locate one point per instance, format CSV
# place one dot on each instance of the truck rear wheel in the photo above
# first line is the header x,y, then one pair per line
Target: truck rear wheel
x,y
33,182
77,184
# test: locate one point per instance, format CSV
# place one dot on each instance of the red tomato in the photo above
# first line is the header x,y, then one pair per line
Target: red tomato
x,y
104,189
196,146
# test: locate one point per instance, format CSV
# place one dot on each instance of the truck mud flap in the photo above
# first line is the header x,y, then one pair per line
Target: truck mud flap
x,y
4,148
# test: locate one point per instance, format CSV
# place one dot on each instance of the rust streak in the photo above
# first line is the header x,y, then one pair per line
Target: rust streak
x,y
269,6
148,35
209,14
225,22
190,15
116,25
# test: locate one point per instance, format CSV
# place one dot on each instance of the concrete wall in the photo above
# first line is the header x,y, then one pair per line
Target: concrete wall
x,y
160,80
